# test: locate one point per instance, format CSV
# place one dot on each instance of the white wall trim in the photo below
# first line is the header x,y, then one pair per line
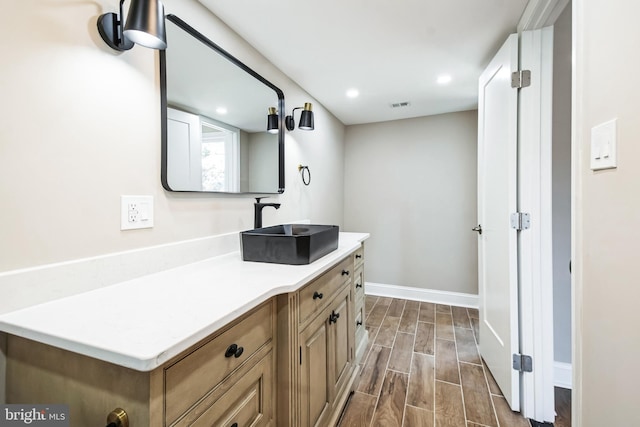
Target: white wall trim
x,y
562,374
578,140
419,294
541,13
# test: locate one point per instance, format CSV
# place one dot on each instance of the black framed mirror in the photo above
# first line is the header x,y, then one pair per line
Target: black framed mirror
x,y
214,119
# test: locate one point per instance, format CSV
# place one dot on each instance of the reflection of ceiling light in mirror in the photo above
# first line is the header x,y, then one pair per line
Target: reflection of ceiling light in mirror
x,y
221,110
353,93
444,79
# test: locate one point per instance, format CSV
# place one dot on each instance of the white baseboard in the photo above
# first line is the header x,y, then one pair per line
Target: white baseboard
x,y
562,374
419,294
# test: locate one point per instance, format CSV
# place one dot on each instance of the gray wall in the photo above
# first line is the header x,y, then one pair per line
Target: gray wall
x,y
561,173
412,184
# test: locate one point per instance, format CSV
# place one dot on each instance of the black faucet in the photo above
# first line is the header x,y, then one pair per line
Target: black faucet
x,y
257,217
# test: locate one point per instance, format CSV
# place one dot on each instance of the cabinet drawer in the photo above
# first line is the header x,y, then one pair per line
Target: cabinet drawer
x,y
358,284
316,295
358,256
247,402
190,378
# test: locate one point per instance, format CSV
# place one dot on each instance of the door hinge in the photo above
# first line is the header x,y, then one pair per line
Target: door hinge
x,y
520,221
522,363
520,79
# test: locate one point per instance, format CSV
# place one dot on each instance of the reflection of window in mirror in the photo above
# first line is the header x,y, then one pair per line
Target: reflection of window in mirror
x,y
220,158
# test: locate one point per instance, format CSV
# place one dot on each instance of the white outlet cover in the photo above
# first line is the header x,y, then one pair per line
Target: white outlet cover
x,y
136,212
604,146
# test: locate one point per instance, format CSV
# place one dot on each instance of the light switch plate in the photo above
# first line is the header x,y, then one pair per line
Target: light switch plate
x,y
136,212
604,145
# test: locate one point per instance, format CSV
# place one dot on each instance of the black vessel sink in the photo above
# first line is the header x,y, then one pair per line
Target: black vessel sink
x,y
293,244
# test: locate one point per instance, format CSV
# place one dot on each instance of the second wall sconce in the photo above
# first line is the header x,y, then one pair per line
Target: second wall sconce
x,y
306,119
144,26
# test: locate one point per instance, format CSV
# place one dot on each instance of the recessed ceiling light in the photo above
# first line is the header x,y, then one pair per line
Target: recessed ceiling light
x,y
353,93
221,110
444,79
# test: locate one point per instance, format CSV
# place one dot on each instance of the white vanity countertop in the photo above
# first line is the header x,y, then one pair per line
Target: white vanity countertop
x,y
144,322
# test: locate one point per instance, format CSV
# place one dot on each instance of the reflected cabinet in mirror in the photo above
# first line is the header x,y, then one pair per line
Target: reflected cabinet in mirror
x,y
214,119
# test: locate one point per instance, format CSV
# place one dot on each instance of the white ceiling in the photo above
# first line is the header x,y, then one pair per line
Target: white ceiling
x,y
390,50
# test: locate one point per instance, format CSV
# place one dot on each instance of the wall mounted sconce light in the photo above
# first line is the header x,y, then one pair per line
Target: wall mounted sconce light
x,y
144,26
306,119
272,120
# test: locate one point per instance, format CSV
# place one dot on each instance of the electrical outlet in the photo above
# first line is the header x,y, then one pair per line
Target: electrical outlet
x,y
132,212
136,212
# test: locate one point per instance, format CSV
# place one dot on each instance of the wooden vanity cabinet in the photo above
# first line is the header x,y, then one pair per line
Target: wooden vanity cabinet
x,y
289,362
206,385
318,322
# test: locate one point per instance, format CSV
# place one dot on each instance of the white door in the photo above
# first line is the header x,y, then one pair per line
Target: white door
x,y
497,199
184,148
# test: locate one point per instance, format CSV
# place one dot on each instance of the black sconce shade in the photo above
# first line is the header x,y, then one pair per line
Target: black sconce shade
x,y
272,120
306,119
145,26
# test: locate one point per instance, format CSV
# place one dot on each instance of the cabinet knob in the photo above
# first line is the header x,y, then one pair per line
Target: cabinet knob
x,y
234,350
333,317
231,350
118,418
317,295
358,256
345,272
358,285
359,323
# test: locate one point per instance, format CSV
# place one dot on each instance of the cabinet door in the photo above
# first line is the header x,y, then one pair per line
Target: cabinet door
x,y
314,390
340,345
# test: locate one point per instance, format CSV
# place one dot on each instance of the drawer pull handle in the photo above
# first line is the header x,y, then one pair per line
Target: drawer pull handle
x,y
358,256
317,295
333,317
345,272
118,418
359,323
358,285
231,350
234,350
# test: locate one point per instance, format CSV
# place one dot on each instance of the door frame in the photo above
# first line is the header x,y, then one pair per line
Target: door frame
x,y
535,195
536,244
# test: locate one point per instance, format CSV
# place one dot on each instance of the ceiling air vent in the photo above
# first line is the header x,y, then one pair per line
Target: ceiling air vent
x,y
400,104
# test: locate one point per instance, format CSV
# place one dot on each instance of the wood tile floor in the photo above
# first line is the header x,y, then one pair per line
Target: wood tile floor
x,y
422,369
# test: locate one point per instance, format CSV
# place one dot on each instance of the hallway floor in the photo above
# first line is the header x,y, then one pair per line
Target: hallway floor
x,y
422,368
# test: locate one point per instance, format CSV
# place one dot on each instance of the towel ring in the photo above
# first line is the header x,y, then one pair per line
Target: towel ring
x,y
302,169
